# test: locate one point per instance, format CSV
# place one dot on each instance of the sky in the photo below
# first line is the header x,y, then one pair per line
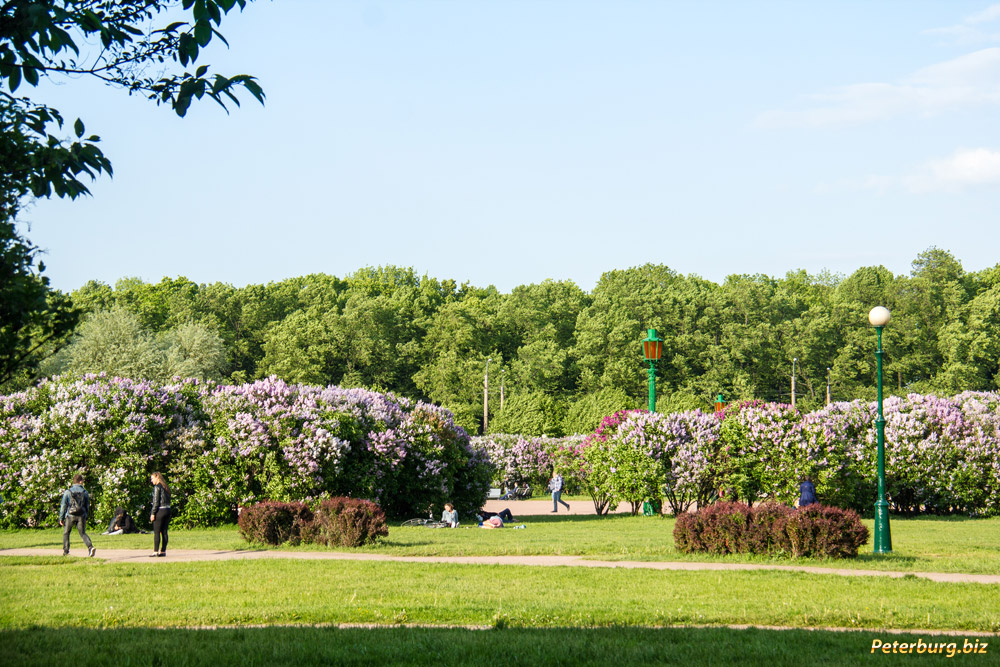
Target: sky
x,y
505,143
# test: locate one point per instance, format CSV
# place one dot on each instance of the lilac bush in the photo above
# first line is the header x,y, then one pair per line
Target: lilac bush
x,y
228,446
519,459
758,446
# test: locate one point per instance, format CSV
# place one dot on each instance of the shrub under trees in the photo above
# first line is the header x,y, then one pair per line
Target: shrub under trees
x,y
815,531
334,522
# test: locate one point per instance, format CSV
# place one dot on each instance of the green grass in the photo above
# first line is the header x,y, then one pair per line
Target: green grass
x,y
58,592
422,646
925,544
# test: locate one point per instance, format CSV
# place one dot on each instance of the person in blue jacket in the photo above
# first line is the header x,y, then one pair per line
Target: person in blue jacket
x,y
807,493
73,511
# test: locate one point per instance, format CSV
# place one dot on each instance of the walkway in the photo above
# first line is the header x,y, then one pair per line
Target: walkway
x,y
188,555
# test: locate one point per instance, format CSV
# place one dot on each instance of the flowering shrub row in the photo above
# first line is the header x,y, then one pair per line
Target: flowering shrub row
x,y
942,455
346,522
771,528
224,447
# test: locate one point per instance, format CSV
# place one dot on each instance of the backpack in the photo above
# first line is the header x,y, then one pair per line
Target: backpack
x,y
77,503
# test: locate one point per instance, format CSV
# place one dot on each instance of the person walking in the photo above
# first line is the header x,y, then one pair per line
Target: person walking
x,y
73,511
160,513
556,487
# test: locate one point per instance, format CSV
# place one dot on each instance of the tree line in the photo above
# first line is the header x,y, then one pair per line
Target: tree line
x,y
562,357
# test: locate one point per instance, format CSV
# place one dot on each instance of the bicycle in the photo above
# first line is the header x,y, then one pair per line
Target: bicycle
x,y
423,523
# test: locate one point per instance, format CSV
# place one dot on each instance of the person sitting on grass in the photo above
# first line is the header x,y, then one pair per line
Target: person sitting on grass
x,y
449,516
121,523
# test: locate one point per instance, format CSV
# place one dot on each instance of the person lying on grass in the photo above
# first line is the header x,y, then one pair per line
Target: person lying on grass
x,y
504,514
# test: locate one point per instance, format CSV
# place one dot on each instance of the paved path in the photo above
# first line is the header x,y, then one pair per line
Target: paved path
x,y
187,555
543,505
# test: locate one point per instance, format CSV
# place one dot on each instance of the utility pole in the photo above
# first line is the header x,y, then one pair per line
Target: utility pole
x,y
503,373
794,359
828,385
486,396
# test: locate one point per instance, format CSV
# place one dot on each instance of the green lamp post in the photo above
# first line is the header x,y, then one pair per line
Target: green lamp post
x,y
652,349
879,317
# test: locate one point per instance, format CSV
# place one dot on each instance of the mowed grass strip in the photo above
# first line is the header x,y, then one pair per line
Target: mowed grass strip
x,y
428,646
925,544
58,592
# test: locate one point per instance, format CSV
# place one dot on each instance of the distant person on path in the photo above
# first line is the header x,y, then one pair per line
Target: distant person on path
x,y
556,487
160,514
449,516
73,511
807,493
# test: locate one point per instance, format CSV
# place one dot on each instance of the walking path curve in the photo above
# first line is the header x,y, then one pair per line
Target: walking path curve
x,y
188,555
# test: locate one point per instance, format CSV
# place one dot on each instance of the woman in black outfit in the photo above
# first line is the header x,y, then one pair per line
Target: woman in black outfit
x,y
160,514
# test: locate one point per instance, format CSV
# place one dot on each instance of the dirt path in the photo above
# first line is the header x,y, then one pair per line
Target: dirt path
x,y
188,555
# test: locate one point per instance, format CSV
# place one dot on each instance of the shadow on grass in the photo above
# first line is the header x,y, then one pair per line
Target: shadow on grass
x,y
432,646
452,646
881,559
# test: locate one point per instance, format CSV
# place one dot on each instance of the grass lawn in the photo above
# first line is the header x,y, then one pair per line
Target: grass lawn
x,y
81,592
77,610
925,544
423,646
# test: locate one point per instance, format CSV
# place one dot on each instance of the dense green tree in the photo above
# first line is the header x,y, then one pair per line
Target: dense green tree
x,y
584,415
557,349
530,413
462,336
193,350
115,342
541,320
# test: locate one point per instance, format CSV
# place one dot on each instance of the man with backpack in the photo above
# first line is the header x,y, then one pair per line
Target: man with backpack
x,y
73,510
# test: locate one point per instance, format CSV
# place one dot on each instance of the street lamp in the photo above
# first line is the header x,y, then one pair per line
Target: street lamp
x,y
486,396
652,349
794,359
879,317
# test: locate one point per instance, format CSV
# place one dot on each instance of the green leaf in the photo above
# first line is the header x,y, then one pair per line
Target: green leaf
x,y
203,32
78,127
14,80
213,11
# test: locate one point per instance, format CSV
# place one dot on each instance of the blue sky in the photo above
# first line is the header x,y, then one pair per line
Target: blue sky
x,y
509,142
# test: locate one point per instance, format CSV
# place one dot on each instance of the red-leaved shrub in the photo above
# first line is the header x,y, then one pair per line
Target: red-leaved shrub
x,y
687,533
766,529
825,532
724,527
771,528
347,522
274,523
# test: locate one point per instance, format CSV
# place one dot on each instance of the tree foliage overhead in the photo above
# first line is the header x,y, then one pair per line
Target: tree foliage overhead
x,y
564,355
146,47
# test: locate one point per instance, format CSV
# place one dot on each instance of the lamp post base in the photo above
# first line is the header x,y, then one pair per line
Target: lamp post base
x,y
883,536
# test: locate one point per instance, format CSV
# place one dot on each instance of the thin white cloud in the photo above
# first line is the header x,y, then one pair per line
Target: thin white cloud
x,y
972,29
988,15
966,167
969,80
